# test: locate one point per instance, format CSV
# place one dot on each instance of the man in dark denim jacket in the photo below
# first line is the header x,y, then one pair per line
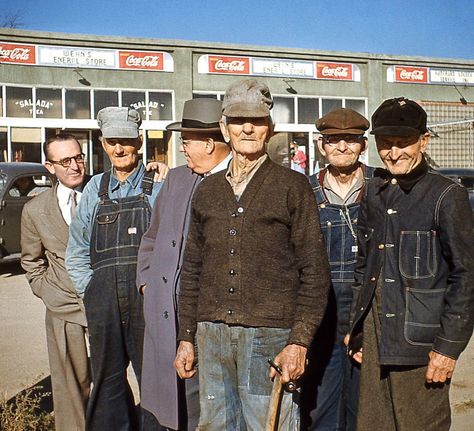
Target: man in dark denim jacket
x,y
330,389
414,272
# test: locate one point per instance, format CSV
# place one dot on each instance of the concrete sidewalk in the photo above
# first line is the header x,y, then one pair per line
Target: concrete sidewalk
x,y
24,358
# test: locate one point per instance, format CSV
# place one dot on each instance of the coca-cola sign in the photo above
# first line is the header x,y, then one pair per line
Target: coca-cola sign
x,y
141,60
337,71
229,65
411,74
12,53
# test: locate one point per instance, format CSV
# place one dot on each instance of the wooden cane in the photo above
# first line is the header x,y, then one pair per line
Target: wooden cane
x,y
274,407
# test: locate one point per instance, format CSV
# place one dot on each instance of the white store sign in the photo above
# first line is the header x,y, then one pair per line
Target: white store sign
x,y
76,57
300,69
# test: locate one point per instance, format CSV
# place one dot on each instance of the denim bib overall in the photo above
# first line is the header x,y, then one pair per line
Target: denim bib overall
x,y
114,307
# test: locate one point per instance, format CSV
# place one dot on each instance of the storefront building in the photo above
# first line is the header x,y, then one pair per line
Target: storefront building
x,y
51,82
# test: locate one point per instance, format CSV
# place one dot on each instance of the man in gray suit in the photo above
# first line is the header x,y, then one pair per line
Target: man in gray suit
x,y
160,261
44,235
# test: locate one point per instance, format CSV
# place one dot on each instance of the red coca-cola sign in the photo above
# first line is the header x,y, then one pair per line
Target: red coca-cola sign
x,y
12,53
141,60
338,71
411,74
230,65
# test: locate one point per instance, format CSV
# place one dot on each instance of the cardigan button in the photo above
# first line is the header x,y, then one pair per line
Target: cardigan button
x,y
232,251
233,232
231,290
240,210
229,312
232,272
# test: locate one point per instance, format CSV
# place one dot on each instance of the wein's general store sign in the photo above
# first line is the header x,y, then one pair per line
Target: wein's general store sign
x,y
60,56
429,75
256,66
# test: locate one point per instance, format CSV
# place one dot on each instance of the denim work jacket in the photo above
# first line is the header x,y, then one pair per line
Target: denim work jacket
x,y
339,227
416,234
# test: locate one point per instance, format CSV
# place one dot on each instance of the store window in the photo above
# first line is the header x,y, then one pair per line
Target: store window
x,y
283,110
330,104
19,102
135,100
160,106
104,98
26,144
157,146
3,144
48,103
78,104
204,96
308,110
356,105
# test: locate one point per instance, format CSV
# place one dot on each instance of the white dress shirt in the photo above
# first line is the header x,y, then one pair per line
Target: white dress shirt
x,y
64,201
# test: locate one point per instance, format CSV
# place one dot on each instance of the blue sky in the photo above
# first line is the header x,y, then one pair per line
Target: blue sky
x,y
434,28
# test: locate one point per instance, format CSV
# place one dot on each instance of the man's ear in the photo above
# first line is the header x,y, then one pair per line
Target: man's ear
x,y
364,145
424,142
321,146
210,146
224,131
50,168
140,139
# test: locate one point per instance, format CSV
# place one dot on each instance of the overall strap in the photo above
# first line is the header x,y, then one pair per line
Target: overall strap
x,y
104,185
147,182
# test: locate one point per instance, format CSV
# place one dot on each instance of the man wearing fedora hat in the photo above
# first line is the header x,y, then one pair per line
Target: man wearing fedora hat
x,y
330,389
175,405
101,257
255,274
414,310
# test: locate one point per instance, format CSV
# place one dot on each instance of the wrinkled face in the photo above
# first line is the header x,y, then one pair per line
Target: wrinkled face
x,y
194,147
247,136
123,152
71,176
401,154
342,151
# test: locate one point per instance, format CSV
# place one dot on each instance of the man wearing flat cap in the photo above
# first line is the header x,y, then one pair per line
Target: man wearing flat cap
x,y
414,310
255,274
330,389
175,404
101,258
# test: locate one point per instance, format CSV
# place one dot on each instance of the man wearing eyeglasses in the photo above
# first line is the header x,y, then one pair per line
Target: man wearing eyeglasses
x,y
44,236
101,260
330,390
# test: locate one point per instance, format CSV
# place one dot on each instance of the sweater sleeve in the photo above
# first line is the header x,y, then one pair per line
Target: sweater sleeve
x,y
312,263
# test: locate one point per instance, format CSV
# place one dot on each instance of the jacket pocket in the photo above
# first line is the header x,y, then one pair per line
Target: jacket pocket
x,y
417,254
423,308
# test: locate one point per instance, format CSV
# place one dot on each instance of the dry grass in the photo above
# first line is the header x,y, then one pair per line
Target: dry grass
x,y
23,413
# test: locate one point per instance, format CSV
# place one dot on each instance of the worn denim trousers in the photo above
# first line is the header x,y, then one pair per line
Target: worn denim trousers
x,y
233,378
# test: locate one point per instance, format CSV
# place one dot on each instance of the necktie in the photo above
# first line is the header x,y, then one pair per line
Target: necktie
x,y
72,203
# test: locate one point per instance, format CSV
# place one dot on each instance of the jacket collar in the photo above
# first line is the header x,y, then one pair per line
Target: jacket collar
x,y
407,181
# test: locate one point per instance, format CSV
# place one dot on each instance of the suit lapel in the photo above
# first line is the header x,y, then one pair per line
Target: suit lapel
x,y
54,221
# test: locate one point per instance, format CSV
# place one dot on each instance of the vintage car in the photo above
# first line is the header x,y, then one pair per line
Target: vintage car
x,y
464,176
19,182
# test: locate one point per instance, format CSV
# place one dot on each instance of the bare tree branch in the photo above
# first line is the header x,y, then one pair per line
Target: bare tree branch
x,y
11,20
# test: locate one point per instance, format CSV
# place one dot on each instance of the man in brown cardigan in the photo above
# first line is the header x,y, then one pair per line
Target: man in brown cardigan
x,y
255,274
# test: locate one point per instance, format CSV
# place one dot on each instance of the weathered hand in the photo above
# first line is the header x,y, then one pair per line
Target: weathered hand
x,y
161,170
440,368
292,361
184,361
357,356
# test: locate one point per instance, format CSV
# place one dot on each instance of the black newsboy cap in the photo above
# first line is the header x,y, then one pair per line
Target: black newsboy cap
x,y
399,117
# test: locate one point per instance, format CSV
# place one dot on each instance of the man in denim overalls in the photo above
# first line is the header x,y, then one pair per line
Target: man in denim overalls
x,y
101,257
330,391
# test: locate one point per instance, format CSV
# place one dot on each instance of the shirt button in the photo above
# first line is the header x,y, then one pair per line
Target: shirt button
x,y
233,232
229,312
240,210
232,251
381,246
232,272
165,280
231,290
361,308
372,279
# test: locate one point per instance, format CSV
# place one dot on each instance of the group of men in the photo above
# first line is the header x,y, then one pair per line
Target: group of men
x,y
354,283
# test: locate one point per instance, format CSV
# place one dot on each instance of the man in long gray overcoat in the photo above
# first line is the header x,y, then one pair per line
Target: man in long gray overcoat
x,y
174,404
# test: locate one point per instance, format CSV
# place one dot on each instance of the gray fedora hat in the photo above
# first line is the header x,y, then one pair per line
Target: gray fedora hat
x,y
199,115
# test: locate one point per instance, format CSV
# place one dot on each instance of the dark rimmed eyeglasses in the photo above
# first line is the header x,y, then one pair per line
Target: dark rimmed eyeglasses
x,y
66,162
348,139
